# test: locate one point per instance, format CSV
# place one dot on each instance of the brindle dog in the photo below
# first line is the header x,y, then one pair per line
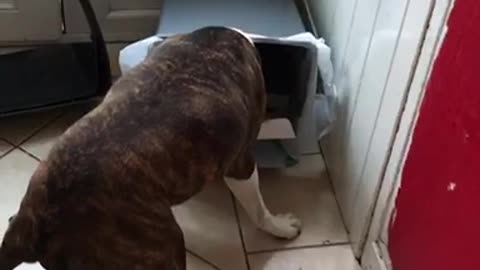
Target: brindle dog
x,y
188,115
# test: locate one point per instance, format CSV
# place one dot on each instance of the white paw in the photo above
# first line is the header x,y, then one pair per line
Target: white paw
x,y
285,226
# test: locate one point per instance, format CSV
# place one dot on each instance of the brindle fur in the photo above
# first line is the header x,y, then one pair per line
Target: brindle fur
x,y
188,115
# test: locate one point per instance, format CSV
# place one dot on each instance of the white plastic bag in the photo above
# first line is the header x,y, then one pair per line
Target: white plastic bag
x,y
324,104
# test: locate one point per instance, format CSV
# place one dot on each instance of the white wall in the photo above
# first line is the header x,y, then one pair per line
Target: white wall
x,y
375,255
375,44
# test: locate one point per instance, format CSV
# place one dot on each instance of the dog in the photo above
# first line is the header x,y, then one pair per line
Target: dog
x,y
188,115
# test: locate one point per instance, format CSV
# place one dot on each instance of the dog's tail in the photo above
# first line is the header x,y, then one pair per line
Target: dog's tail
x,y
19,242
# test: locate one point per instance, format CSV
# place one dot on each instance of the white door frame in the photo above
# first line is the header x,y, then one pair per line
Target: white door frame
x,y
375,255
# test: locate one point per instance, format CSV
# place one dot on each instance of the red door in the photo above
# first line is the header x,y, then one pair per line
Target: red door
x,y
437,226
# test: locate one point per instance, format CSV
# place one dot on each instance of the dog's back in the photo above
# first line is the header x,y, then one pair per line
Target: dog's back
x,y
188,114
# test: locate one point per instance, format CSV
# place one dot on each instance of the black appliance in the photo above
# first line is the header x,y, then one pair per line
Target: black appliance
x,y
57,74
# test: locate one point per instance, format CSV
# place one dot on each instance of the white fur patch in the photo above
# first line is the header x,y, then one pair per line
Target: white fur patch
x,y
247,192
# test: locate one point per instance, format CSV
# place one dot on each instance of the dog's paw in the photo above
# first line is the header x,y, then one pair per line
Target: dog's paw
x,y
285,226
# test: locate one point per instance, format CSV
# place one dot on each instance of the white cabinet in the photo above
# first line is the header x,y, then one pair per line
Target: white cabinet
x,y
29,20
120,20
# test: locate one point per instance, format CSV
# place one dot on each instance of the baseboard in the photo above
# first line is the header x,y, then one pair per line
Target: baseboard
x,y
375,258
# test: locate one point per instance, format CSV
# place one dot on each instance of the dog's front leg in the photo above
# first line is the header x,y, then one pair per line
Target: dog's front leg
x,y
247,192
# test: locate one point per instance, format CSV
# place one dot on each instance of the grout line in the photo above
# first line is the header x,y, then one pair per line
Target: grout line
x,y
8,151
6,141
45,125
237,217
202,259
9,142
28,153
298,248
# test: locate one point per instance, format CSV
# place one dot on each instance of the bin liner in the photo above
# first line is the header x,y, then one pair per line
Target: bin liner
x,y
325,99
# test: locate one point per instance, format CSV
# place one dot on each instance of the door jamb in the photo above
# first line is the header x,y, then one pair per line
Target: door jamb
x,y
375,255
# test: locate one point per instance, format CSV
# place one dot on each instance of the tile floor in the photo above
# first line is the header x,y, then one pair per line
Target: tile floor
x,y
218,234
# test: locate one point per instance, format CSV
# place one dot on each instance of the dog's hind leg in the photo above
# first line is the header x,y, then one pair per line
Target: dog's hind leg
x,y
161,249
247,192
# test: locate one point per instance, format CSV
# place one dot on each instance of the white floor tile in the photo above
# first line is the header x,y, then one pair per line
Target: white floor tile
x,y
4,147
40,144
16,168
303,190
210,227
16,129
323,258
